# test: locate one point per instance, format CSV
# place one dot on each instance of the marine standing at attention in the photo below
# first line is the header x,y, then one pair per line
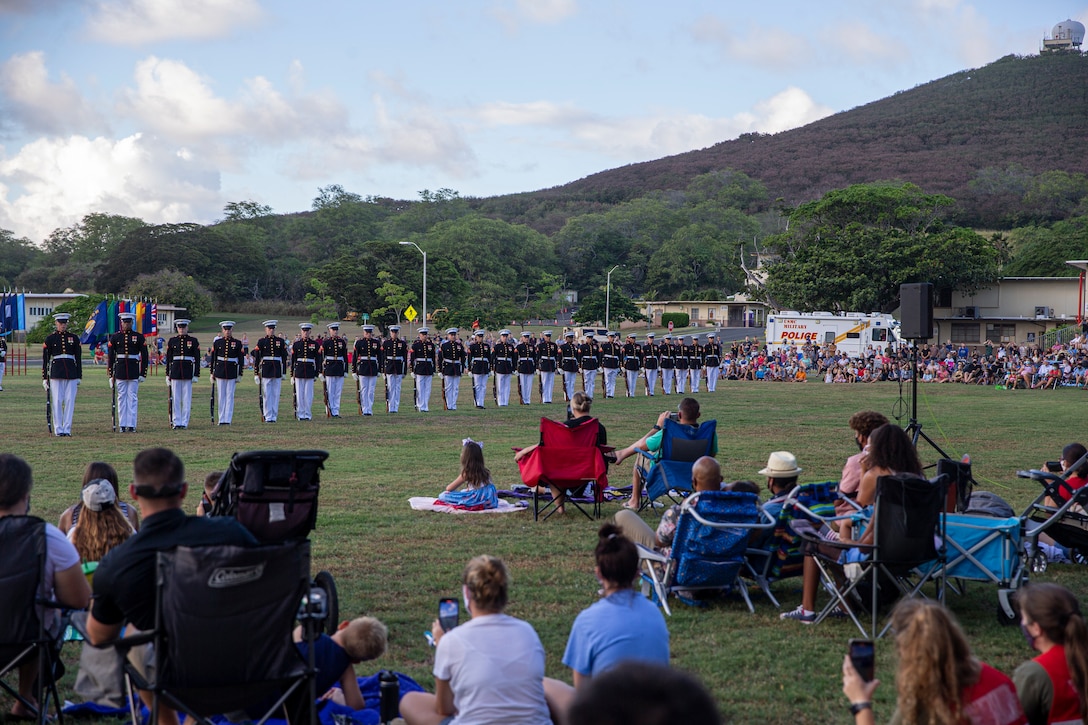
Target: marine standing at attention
x,y
127,368
479,364
62,370
305,362
269,366
334,351
228,361
182,367
547,356
395,357
368,363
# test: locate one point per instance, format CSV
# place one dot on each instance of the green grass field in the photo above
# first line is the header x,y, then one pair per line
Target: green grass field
x,y
395,563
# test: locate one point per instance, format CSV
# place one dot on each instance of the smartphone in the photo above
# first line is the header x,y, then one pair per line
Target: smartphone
x,y
675,416
449,611
1054,466
863,657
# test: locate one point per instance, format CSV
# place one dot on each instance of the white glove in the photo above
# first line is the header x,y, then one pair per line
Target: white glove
x,y
355,376
256,379
143,378
111,383
321,378
168,381
45,385
78,381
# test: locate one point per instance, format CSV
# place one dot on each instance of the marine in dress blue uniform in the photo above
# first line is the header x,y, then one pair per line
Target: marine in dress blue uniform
x,y
525,363
667,360
334,352
3,357
452,354
305,364
228,362
610,363
712,361
650,363
182,368
368,364
395,359
424,361
269,367
62,371
632,363
479,364
568,363
502,362
126,365
694,353
589,359
547,361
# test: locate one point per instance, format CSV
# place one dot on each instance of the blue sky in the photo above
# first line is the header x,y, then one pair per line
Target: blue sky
x,y
169,109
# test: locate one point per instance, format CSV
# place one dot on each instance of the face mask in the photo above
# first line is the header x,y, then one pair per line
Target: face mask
x,y
1027,636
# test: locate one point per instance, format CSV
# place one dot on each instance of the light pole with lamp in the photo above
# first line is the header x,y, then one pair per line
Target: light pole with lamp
x,y
608,294
424,277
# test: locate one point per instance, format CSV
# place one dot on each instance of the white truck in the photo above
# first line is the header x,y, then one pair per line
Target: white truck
x,y
850,332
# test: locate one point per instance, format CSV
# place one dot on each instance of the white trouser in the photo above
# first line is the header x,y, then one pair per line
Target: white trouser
x,y
63,393
696,374
503,387
367,385
423,392
3,365
712,378
335,385
127,402
681,380
610,375
569,381
304,392
666,380
392,391
270,389
589,382
224,389
547,383
525,381
631,378
451,385
479,389
651,380
183,401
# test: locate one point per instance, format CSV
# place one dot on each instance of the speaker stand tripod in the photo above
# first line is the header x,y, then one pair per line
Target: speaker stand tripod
x,y
914,428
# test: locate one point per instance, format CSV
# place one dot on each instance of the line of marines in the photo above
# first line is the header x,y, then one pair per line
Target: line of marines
x,y
680,363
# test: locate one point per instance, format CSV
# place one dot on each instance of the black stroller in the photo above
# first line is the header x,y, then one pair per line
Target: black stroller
x,y
274,495
1066,521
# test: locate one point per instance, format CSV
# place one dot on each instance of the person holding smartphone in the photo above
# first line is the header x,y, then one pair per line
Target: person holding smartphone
x,y
489,669
939,679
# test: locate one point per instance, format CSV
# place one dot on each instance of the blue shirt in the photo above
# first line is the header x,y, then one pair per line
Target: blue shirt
x,y
622,626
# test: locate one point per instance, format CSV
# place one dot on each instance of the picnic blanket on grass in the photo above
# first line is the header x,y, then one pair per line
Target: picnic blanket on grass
x,y
430,503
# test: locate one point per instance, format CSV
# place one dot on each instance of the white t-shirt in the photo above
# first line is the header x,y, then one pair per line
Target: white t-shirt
x,y
495,666
59,555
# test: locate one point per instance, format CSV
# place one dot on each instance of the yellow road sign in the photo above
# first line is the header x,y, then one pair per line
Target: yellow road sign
x,y
410,314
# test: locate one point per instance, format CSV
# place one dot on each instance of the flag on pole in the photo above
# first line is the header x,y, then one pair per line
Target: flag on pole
x,y
96,326
138,323
111,317
152,328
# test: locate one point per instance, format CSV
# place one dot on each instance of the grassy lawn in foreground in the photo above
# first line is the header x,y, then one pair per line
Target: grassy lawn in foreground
x,y
395,563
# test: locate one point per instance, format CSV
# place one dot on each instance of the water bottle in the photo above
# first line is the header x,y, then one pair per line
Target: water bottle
x,y
389,687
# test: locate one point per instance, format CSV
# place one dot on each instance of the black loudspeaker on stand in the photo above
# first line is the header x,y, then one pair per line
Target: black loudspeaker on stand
x,y
916,324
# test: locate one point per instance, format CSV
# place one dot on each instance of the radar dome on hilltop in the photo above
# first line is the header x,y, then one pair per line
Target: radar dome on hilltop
x,y
1066,35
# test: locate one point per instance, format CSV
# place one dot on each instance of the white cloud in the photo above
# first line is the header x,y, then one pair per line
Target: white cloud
x,y
136,22
61,180
651,136
859,42
771,47
547,11
40,105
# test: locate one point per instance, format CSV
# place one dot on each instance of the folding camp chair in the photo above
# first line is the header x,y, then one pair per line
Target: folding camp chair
x,y
708,546
567,458
23,631
681,446
783,558
224,617
908,533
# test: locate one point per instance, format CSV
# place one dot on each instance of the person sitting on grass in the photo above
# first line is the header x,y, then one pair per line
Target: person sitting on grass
x,y
335,656
651,443
643,693
580,403
479,492
620,627
97,470
706,475
204,508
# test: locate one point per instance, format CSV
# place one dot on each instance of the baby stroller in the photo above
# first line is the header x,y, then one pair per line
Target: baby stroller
x,y
274,495
1066,522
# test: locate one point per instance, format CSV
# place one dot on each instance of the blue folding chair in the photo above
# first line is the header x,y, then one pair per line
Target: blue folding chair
x,y
681,446
708,547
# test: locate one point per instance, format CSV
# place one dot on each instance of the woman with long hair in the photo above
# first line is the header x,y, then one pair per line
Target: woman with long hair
x,y
939,680
94,471
489,669
1053,687
890,452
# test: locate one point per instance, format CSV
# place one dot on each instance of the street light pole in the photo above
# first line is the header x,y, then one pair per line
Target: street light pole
x,y
424,277
608,293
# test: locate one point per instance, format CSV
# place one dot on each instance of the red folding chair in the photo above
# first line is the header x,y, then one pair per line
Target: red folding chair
x,y
568,459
